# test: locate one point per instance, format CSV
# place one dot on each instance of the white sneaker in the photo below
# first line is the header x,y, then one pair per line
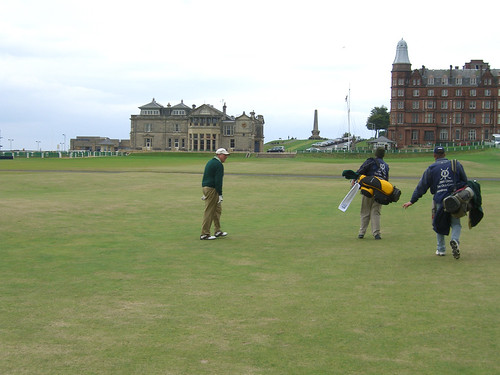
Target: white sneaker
x,y
207,237
220,234
440,254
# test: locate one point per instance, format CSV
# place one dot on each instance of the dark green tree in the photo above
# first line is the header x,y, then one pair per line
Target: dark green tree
x,y
379,120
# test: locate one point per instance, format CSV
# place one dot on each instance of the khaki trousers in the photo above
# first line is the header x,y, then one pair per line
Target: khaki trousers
x,y
213,210
370,212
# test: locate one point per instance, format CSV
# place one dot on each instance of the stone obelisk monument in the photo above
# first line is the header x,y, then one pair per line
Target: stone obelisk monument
x,y
315,131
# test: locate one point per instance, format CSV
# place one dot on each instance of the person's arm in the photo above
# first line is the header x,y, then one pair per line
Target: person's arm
x,y
421,189
219,175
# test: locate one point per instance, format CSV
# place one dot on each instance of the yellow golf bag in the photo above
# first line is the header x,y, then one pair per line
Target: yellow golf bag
x,y
383,191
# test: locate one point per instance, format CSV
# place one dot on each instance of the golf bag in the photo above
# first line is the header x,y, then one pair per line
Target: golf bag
x,y
459,203
383,191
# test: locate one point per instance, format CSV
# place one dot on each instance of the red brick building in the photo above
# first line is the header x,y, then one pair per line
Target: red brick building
x,y
442,106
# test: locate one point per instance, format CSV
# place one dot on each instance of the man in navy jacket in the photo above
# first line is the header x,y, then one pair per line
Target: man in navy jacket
x,y
370,209
442,180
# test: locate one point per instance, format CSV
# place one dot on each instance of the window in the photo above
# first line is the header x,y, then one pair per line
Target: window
x,y
401,92
414,118
458,104
487,92
472,118
486,118
473,81
430,81
428,135
457,118
430,104
458,92
148,128
486,104
444,92
178,112
415,104
416,92
401,104
150,112
458,81
472,134
472,104
400,118
473,92
444,104
444,118
231,143
430,92
429,118
228,130
401,81
414,135
445,80
177,128
443,135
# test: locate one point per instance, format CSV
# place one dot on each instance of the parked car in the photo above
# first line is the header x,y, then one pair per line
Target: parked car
x,y
313,149
276,149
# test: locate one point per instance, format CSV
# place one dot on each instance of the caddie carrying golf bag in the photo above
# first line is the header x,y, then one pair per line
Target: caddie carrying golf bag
x,y
383,191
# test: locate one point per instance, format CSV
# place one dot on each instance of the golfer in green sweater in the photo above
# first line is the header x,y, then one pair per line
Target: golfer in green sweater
x,y
212,195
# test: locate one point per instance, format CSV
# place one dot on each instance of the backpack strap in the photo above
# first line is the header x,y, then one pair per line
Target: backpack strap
x,y
454,170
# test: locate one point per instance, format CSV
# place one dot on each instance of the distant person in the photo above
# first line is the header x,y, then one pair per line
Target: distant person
x,y
370,208
442,180
212,195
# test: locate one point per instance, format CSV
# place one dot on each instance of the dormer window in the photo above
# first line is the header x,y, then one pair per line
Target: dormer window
x,y
150,112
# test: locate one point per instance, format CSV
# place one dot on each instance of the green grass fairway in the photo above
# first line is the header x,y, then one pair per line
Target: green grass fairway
x,y
102,271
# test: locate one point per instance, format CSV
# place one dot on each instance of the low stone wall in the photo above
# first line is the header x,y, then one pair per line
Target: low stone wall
x,y
278,155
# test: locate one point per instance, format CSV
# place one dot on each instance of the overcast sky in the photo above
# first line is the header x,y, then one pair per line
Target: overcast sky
x,y
81,68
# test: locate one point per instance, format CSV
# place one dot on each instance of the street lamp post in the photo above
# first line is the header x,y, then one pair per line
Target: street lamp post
x,y
451,119
38,145
10,140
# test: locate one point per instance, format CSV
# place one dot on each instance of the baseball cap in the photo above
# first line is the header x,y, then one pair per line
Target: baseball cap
x,y
439,150
222,151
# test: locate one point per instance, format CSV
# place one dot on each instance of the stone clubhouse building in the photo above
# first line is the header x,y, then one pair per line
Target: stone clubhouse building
x,y
204,128
183,128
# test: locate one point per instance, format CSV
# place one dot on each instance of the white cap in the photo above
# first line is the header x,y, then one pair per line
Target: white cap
x,y
222,151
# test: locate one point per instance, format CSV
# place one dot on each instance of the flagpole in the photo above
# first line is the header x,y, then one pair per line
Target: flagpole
x,y
348,100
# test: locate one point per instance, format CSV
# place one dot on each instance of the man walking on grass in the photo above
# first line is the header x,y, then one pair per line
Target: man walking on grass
x,y
371,209
443,179
212,195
